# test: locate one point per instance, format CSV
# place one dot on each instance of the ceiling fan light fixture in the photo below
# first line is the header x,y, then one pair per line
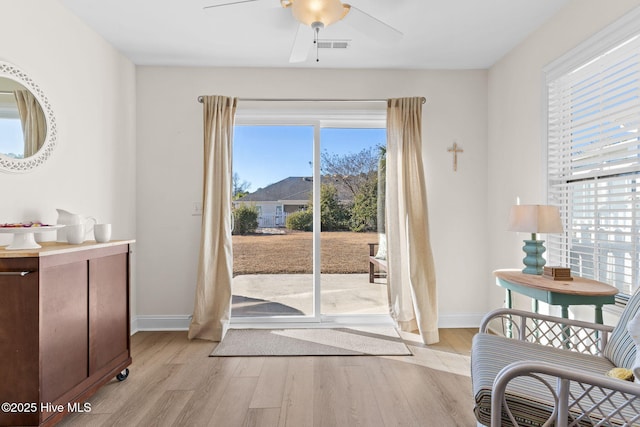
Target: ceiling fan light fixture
x,y
309,11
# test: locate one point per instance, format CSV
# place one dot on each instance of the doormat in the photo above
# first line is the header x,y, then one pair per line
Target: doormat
x,y
373,341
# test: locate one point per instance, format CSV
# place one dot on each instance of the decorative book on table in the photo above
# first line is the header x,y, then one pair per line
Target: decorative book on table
x,y
557,273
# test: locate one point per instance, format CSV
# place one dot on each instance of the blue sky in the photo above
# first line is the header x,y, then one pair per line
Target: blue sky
x,y
263,155
11,140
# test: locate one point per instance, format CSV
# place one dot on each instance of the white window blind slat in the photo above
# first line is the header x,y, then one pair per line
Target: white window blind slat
x,y
617,126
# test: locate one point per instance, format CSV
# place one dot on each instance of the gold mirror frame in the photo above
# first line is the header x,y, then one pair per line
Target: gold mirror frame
x,y
9,164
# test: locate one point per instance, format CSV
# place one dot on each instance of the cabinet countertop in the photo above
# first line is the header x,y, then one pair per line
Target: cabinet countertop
x,y
56,248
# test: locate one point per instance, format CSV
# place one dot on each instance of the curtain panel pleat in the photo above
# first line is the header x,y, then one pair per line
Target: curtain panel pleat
x,y
212,308
411,275
34,124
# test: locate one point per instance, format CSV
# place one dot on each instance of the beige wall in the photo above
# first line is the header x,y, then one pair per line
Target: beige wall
x,y
91,88
144,180
169,172
515,144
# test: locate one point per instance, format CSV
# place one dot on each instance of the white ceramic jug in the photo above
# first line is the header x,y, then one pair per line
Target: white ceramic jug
x,y
68,218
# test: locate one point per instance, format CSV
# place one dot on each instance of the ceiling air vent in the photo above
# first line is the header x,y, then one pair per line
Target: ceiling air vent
x,y
333,44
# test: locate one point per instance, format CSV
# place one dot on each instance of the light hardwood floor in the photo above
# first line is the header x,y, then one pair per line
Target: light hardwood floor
x,y
173,382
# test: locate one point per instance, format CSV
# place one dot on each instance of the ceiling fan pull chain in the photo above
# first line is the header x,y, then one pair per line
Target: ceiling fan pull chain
x,y
316,37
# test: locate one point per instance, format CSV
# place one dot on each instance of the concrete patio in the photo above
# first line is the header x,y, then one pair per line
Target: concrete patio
x,y
292,295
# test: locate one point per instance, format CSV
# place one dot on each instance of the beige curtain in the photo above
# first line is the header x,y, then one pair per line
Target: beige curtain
x,y
34,125
212,308
411,275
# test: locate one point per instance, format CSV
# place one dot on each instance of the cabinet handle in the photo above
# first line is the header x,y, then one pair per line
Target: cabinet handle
x,y
15,273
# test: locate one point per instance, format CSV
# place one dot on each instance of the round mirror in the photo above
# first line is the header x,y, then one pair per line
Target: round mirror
x,y
27,125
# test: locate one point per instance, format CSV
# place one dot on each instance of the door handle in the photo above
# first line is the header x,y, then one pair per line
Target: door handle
x,y
15,273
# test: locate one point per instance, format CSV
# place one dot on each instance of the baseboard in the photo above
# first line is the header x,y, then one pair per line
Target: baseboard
x,y
463,320
181,322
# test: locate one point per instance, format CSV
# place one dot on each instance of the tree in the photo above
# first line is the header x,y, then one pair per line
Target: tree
x,y
240,188
382,182
359,174
333,215
351,170
364,212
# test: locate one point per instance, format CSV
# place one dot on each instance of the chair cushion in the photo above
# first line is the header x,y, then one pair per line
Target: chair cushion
x,y
529,400
634,332
382,247
620,348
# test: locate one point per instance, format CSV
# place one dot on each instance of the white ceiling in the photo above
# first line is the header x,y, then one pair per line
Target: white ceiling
x,y
438,34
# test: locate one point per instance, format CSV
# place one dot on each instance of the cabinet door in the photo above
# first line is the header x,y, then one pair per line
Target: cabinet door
x,y
64,326
108,314
19,338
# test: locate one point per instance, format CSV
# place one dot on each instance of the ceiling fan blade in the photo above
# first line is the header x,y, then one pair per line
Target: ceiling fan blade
x,y
213,4
302,44
371,26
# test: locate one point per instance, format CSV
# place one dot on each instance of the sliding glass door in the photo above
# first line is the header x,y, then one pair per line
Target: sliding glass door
x,y
305,213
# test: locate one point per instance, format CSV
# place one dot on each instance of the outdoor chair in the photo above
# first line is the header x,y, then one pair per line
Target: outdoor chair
x,y
551,371
377,264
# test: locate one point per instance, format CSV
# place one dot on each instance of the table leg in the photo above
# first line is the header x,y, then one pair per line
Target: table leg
x,y
509,304
566,336
599,318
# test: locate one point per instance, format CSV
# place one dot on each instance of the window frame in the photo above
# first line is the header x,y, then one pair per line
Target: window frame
x,y
590,50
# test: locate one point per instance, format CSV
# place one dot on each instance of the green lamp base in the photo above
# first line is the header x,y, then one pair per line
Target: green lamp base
x,y
533,262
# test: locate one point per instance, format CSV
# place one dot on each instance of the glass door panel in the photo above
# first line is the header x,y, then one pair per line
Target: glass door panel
x,y
273,229
352,162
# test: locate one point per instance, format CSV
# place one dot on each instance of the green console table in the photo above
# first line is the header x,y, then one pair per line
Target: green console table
x,y
579,291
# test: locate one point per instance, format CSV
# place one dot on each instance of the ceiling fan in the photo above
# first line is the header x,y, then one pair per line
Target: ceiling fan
x,y
315,15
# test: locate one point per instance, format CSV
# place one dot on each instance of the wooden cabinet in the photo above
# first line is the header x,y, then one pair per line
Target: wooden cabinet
x,y
64,327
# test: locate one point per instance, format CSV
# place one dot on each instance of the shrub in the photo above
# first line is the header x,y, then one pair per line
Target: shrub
x,y
245,219
333,215
301,221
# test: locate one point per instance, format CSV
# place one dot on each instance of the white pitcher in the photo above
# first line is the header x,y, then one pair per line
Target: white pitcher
x,y
68,218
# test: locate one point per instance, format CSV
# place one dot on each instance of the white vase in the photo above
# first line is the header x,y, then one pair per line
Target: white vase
x,y
634,330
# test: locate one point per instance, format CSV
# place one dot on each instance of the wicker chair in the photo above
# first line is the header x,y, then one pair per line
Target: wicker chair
x,y
553,371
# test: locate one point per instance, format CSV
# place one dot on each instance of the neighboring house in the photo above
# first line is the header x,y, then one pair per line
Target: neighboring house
x,y
276,201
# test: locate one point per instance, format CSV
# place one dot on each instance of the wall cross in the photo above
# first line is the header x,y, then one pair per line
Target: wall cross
x,y
455,150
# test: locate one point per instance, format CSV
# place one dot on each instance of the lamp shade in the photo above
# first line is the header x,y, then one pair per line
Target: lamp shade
x,y
535,219
325,11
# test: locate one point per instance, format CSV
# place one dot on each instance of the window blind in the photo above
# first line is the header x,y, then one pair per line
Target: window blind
x,y
593,166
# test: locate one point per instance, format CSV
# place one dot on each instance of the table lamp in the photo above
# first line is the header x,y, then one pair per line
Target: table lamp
x,y
534,219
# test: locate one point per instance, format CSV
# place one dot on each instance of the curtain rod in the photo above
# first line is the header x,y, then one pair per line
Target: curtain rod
x,y
310,100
